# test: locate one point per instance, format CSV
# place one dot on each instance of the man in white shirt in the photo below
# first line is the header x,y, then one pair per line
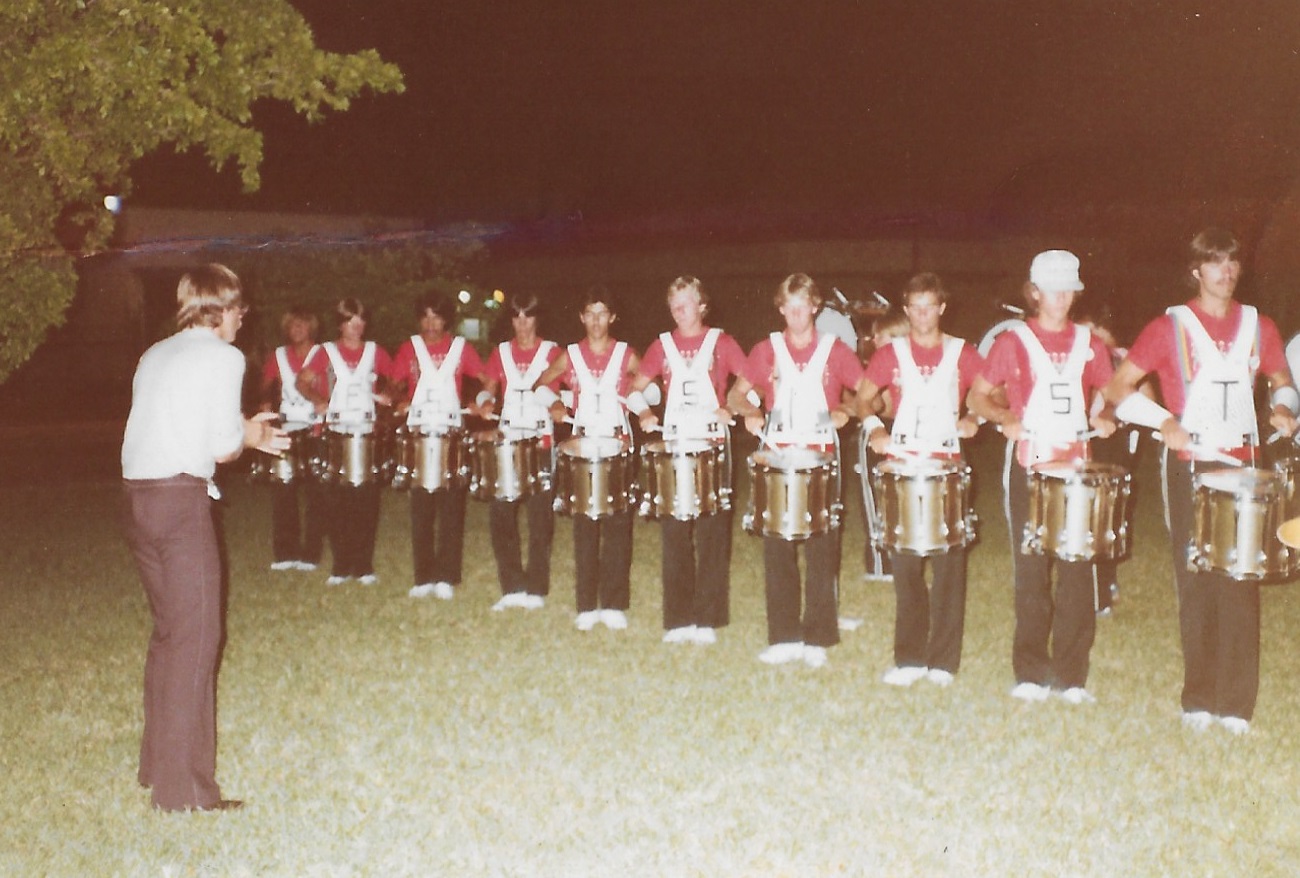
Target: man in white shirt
x,y
185,419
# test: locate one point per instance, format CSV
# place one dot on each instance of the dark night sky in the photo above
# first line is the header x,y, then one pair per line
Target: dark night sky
x,y
617,109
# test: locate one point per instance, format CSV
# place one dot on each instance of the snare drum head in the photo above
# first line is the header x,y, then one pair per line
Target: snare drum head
x,y
788,459
917,466
592,447
670,447
1079,470
1245,481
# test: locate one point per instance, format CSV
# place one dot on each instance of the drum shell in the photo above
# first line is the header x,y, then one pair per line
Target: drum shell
x,y
794,494
429,461
594,477
922,507
1078,511
1235,517
353,459
507,469
294,465
684,479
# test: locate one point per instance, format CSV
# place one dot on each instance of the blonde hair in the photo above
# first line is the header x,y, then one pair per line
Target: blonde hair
x,y
205,294
796,286
892,324
305,315
686,283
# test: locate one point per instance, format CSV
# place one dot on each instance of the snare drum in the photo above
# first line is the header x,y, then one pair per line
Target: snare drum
x,y
593,476
1235,516
795,493
922,506
354,459
683,479
294,465
507,469
1078,511
429,461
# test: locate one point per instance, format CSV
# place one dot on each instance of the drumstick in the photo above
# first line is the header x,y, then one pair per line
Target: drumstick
x,y
1207,453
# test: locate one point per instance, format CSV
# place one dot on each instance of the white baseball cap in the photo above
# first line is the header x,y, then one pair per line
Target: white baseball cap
x,y
1055,271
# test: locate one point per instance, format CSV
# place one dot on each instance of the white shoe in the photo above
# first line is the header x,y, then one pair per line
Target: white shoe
x,y
849,624
682,634
704,636
423,590
368,579
305,566
877,577
587,620
532,602
615,620
1198,720
443,591
904,676
1030,692
814,656
336,580
939,677
1235,724
284,565
1078,695
514,599
781,653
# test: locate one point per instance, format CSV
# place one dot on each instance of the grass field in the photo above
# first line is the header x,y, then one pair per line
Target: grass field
x,y
375,735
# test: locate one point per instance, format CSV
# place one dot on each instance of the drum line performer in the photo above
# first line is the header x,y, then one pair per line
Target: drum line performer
x,y
696,361
512,369
599,370
1051,369
345,380
296,542
185,419
1207,355
928,374
427,375
800,375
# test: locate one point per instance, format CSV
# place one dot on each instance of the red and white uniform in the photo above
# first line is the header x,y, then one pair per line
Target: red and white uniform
x,y
1049,378
283,367
928,385
696,369
599,381
349,375
433,376
801,385
516,370
1207,367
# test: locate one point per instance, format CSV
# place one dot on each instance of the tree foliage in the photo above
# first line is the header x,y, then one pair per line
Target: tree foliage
x,y
89,86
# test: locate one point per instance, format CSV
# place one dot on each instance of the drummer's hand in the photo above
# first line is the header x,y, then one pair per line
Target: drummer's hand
x,y
1282,421
649,421
1103,424
1013,430
477,410
879,440
321,408
558,412
262,433
839,418
726,416
754,424
1174,436
967,427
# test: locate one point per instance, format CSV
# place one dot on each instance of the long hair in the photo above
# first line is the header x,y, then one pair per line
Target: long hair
x,y
204,294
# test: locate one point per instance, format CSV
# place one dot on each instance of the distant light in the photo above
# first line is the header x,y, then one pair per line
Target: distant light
x,y
113,204
491,304
464,297
498,296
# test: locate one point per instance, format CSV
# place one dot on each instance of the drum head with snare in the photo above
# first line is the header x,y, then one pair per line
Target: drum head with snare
x,y
593,447
792,459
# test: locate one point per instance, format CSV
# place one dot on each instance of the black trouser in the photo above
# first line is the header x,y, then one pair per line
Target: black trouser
x,y
297,537
929,622
602,558
1066,617
503,521
1218,617
696,571
353,516
813,615
438,534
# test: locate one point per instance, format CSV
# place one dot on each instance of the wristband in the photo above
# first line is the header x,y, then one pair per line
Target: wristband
x,y
636,403
1138,408
484,398
871,424
1287,397
652,394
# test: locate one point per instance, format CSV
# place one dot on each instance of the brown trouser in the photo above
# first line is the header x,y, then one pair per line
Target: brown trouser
x,y
169,527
